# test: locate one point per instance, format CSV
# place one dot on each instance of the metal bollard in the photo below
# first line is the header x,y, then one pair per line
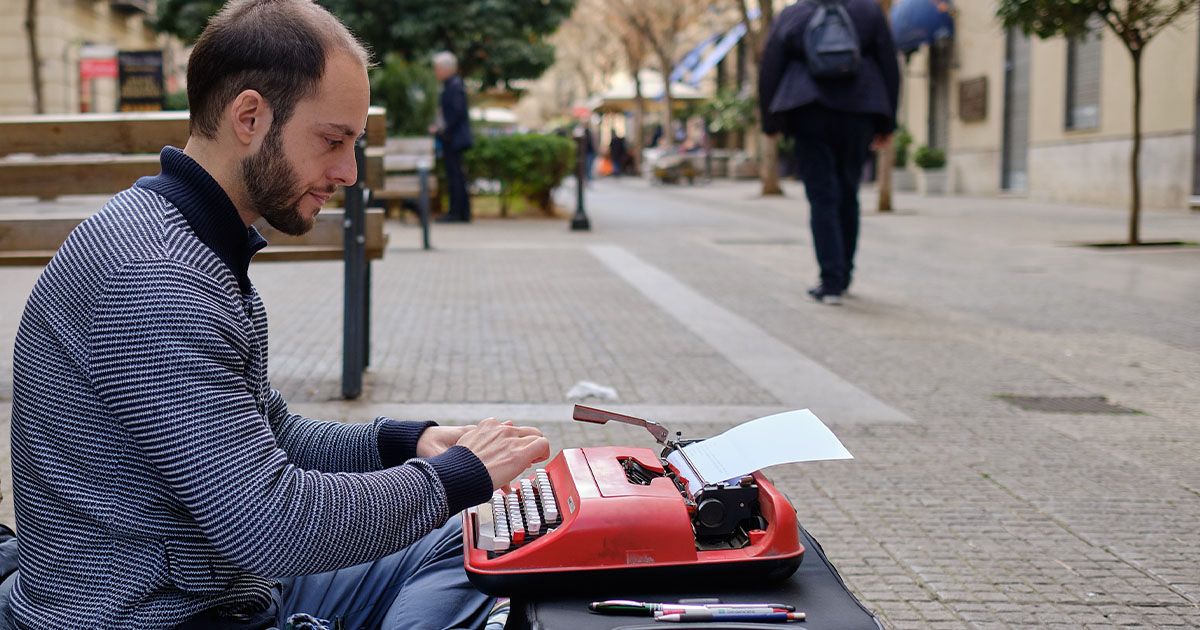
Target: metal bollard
x,y
423,200
580,222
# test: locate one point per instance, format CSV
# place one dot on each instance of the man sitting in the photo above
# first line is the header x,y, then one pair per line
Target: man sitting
x,y
159,480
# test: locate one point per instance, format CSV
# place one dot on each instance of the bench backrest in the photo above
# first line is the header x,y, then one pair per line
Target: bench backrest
x,y
52,155
143,132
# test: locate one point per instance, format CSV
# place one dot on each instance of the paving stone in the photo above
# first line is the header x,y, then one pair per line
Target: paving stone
x,y
977,514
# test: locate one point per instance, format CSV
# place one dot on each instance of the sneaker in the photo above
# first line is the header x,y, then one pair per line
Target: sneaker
x,y
825,296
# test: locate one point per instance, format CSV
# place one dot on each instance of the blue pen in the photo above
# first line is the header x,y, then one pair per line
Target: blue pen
x,y
779,617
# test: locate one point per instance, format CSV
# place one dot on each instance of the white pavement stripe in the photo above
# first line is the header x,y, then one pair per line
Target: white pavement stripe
x,y
668,415
787,374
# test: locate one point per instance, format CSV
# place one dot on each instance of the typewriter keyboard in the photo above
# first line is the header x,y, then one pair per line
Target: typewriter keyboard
x,y
517,516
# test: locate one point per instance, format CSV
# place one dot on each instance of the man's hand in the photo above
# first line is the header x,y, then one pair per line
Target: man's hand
x,y
881,141
505,450
435,440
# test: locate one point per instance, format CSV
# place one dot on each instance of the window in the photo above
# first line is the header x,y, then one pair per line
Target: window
x,y
1083,79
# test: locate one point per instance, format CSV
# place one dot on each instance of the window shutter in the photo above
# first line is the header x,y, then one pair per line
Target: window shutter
x,y
1083,79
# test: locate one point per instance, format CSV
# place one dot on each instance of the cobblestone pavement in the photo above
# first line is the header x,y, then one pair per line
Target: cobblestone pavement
x,y
964,512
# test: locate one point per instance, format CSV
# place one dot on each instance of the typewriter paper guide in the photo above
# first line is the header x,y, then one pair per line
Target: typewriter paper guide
x,y
783,438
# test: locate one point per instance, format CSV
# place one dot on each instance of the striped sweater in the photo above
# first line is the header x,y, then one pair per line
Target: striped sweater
x,y
156,473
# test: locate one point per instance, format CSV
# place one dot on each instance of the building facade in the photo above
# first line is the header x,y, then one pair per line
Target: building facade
x,y
77,43
1052,119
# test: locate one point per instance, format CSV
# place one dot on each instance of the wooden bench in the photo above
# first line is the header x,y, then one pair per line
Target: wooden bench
x,y
33,240
102,154
402,160
85,154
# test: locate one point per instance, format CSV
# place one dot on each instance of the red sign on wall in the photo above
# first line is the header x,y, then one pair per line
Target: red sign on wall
x,y
98,68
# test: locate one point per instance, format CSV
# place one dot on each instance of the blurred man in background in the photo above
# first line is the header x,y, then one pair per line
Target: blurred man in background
x,y
453,131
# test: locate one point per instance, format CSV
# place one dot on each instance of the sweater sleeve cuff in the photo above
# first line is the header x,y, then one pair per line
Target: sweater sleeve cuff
x,y
398,440
464,476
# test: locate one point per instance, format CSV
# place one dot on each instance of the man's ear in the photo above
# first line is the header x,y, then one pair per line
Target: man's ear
x,y
251,116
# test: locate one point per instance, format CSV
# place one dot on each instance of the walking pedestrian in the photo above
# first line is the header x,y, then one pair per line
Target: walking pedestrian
x,y
453,131
589,151
830,79
619,154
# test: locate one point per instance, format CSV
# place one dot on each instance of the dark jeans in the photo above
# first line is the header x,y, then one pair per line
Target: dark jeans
x,y
421,586
456,182
831,149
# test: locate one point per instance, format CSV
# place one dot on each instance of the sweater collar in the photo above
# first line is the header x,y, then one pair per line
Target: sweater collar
x,y
208,210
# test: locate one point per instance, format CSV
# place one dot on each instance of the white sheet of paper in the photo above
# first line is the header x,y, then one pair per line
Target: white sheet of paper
x,y
791,436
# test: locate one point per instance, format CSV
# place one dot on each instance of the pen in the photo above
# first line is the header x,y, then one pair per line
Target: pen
x,y
784,607
647,609
779,617
623,607
670,609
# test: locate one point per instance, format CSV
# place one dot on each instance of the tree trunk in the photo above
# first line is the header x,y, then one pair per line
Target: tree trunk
x,y
885,157
768,165
35,63
1135,175
768,147
885,162
637,139
668,134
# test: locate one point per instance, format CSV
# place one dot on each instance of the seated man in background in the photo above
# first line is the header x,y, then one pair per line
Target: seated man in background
x,y
159,481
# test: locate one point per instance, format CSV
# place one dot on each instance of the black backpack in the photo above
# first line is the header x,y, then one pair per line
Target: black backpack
x,y
831,42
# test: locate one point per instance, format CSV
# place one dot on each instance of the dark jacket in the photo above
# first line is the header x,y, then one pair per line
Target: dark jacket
x,y
785,85
456,134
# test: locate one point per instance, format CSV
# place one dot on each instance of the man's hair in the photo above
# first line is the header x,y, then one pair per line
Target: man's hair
x,y
446,59
277,47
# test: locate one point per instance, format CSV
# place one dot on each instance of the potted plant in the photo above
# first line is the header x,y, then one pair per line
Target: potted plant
x,y
932,179
728,112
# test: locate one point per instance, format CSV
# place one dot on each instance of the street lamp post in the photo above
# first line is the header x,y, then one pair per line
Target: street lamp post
x,y
580,222
356,300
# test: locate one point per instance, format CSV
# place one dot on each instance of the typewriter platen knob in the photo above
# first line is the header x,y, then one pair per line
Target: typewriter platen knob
x,y
711,512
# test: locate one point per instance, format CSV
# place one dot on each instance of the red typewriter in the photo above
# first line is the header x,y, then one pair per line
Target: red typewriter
x,y
617,518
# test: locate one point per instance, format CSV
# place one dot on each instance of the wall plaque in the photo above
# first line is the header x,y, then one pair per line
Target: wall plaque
x,y
972,99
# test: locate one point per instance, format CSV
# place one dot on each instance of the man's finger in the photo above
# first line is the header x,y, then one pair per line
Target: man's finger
x,y
527,431
535,449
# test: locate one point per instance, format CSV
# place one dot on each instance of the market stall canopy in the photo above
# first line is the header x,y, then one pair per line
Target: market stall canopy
x,y
919,22
721,45
692,59
620,95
